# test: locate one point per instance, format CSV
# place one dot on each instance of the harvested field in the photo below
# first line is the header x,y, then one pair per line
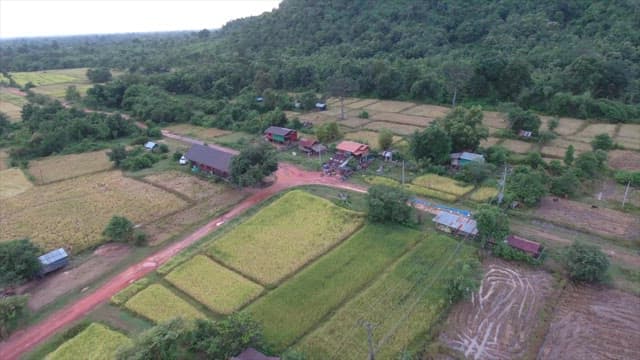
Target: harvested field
x,y
347,101
624,160
517,146
158,304
403,119
553,152
295,307
14,112
629,143
7,96
395,128
188,185
419,190
601,221
317,118
96,342
490,141
218,288
579,146
428,111
367,137
442,183
358,104
12,183
354,122
569,126
389,106
73,213
54,168
48,77
630,131
495,120
269,247
403,303
592,130
197,132
59,91
610,190
594,323
4,160
484,193
500,319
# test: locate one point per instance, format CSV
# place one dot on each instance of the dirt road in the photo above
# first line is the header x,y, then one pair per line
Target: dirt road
x,y
287,176
185,139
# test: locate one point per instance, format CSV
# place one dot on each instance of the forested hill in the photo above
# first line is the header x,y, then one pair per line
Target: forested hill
x,y
572,57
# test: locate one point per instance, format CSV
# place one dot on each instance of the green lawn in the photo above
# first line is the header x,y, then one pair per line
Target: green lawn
x,y
285,236
93,343
404,304
295,307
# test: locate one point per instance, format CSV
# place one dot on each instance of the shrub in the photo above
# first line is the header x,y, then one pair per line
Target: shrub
x,y
465,280
18,261
119,229
586,262
506,252
12,309
363,115
602,142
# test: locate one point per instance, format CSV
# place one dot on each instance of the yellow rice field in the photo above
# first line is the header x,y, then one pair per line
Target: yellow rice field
x,y
517,146
484,193
158,304
96,342
395,128
429,111
12,183
389,106
48,77
441,183
54,168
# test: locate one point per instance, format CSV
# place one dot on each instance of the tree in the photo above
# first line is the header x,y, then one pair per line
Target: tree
x,y
602,142
476,172
590,163
493,223
433,145
456,75
566,184
12,309
586,262
465,128
119,229
99,75
385,139
161,342
18,261
71,93
497,155
328,132
534,159
308,100
117,154
553,123
568,155
526,185
464,280
226,338
388,204
253,164
520,119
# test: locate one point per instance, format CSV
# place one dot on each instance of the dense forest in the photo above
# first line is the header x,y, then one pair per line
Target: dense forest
x,y
571,58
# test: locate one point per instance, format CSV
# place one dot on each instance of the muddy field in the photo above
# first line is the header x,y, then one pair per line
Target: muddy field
x,y
624,160
593,323
500,319
601,221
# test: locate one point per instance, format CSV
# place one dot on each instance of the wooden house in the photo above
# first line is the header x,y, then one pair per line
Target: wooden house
x,y
311,146
210,160
280,135
353,148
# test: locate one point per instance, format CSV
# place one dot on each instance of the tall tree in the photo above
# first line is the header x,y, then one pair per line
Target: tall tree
x,y
18,261
465,128
493,223
253,164
385,139
433,145
388,204
456,75
586,262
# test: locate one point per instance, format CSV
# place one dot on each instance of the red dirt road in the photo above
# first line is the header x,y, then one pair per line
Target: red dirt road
x,y
287,176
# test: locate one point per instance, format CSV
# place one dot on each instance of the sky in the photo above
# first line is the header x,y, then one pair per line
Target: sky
x,y
29,18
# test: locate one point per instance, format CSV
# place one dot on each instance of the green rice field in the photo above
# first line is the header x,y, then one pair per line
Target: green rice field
x,y
96,342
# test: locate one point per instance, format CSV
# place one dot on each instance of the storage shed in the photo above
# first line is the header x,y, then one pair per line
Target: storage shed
x,y
320,106
311,146
456,224
532,248
464,158
150,145
353,148
280,135
53,261
210,160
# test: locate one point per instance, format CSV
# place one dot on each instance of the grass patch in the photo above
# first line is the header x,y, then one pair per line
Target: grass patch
x,y
295,307
48,77
484,193
419,190
158,304
59,91
213,285
12,183
399,129
127,293
198,132
368,137
442,184
404,304
235,140
95,342
272,244
55,168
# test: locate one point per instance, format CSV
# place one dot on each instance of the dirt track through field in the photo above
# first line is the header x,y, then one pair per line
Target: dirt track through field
x,y
501,316
594,323
287,176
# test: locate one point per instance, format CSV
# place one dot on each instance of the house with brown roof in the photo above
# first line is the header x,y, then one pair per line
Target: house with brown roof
x,y
210,160
353,148
311,146
253,354
532,248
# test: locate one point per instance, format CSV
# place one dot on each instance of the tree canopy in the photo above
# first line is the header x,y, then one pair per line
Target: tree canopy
x,y
18,261
253,164
586,262
432,144
464,126
388,204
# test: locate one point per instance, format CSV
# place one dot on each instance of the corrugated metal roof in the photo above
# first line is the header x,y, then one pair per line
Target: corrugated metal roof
x,y
150,145
523,244
53,256
210,157
457,222
276,130
253,354
352,147
471,156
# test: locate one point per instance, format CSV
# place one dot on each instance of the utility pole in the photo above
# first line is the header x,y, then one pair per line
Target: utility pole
x,y
402,172
369,326
503,183
626,192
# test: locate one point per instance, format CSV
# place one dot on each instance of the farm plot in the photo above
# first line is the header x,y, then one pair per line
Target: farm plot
x,y
272,244
484,193
358,104
59,91
54,168
295,307
158,304
14,112
517,146
404,303
443,184
367,137
4,160
419,190
395,128
403,119
594,323
213,285
389,106
12,183
428,111
190,186
73,213
490,141
198,132
494,120
624,160
500,318
569,126
317,118
10,97
601,221
630,131
354,122
589,132
48,77
95,342
629,143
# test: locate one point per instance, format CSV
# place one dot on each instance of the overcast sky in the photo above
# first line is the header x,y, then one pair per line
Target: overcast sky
x,y
27,18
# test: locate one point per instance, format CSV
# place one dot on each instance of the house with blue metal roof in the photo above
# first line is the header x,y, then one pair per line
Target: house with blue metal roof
x,y
53,261
464,158
456,224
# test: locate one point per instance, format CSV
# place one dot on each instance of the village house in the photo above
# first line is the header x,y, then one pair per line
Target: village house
x,y
531,248
253,354
210,160
464,158
311,146
456,224
280,135
52,261
353,148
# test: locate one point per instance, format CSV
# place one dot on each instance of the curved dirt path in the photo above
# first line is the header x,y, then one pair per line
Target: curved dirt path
x,y
24,340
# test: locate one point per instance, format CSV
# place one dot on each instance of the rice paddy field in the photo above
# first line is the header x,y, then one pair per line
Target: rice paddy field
x,y
127,293
428,111
59,91
61,167
517,146
419,190
13,111
403,119
367,137
484,194
403,304
291,310
389,106
399,129
12,183
48,77
218,288
443,184
198,132
354,122
188,185
358,104
589,132
96,342
73,213
4,160
569,126
158,304
270,246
